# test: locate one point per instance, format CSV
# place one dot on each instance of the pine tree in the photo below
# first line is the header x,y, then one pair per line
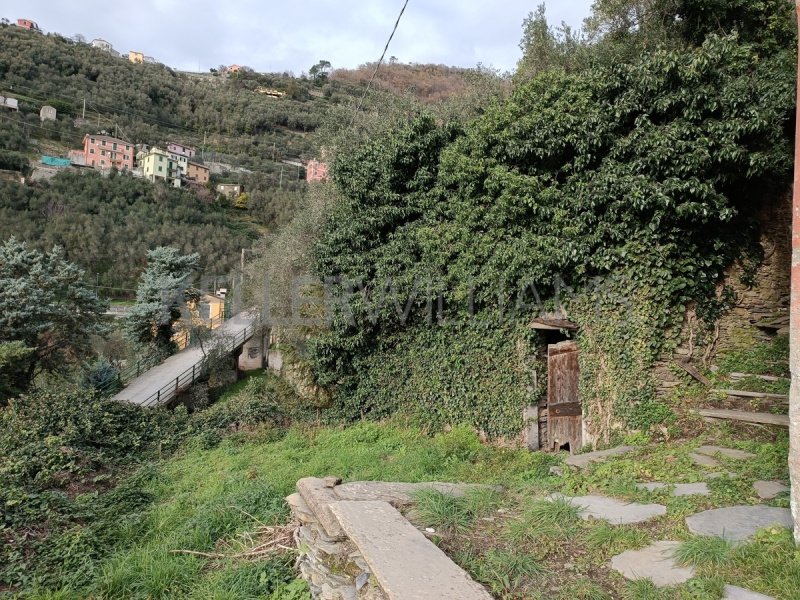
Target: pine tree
x,y
47,314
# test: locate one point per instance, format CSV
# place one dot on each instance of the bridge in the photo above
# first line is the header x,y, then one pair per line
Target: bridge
x,y
161,383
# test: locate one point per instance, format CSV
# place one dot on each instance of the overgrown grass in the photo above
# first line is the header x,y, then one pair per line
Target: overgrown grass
x,y
451,514
207,496
700,551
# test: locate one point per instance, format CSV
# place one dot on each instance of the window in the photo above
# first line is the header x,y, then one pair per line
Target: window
x,y
160,158
102,142
114,146
125,156
102,152
160,168
91,150
127,147
92,140
102,162
93,163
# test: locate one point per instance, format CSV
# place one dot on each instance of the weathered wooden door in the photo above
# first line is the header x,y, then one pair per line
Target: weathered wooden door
x,y
563,405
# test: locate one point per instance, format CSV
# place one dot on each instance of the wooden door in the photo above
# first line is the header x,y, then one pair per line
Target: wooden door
x,y
563,405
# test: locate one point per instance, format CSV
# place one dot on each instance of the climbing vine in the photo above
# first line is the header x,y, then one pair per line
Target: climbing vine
x,y
643,175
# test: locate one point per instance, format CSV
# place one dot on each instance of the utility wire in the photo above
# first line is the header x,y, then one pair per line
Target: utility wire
x,y
375,72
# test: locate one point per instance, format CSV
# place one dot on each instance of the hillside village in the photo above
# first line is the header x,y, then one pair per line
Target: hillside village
x,y
406,331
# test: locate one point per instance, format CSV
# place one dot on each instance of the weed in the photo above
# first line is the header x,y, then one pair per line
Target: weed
x,y
451,514
609,539
505,571
584,590
700,551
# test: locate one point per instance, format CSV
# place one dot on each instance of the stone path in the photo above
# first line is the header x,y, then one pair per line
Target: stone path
x,y
678,489
767,490
654,562
704,456
733,592
736,523
614,511
581,461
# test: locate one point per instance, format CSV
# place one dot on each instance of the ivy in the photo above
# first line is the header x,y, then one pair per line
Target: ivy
x,y
647,175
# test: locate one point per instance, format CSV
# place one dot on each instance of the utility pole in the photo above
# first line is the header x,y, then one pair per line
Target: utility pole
x,y
203,149
83,116
273,151
794,324
280,182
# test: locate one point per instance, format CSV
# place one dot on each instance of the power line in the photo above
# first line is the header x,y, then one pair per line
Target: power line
x,y
375,72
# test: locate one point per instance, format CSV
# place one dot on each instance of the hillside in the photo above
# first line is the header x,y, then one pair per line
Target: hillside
x,y
426,82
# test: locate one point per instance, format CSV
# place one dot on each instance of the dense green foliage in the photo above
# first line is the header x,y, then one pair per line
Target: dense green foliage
x,y
646,173
107,225
47,314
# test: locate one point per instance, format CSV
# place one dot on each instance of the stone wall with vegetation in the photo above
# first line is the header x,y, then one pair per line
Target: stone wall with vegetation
x,y
755,294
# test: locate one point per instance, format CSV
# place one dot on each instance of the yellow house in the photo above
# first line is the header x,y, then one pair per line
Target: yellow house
x,y
208,311
157,164
136,58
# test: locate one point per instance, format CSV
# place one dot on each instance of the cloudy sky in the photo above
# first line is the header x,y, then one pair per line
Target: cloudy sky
x,y
292,36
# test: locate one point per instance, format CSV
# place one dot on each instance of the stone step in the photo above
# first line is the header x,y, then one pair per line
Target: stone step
x,y
616,512
655,562
406,564
767,490
678,489
400,494
737,523
733,592
581,461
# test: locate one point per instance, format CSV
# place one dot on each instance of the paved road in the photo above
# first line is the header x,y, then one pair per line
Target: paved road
x,y
142,389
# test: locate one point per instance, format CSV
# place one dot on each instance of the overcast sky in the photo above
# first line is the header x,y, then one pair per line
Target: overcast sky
x,y
292,36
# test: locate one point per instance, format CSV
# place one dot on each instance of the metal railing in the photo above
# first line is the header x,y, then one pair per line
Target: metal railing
x,y
197,370
183,341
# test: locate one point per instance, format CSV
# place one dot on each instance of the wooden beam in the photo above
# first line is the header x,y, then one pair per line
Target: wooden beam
x,y
744,416
761,377
692,370
743,394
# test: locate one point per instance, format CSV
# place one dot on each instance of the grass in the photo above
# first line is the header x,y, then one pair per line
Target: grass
x,y
451,514
701,551
609,540
526,542
205,498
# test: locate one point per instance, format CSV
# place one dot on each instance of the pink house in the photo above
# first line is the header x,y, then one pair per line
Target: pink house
x,y
105,152
186,151
316,171
28,24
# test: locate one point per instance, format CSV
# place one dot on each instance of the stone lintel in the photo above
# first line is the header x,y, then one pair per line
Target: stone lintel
x,y
407,565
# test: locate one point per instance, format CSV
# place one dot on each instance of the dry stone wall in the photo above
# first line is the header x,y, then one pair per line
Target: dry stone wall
x,y
766,300
386,559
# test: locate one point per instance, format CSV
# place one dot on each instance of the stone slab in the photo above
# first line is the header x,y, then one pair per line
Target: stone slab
x,y
702,460
406,564
724,452
678,489
767,490
736,523
654,562
581,461
615,511
319,497
733,592
398,494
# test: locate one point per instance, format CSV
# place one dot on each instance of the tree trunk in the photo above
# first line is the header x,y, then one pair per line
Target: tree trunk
x,y
794,335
